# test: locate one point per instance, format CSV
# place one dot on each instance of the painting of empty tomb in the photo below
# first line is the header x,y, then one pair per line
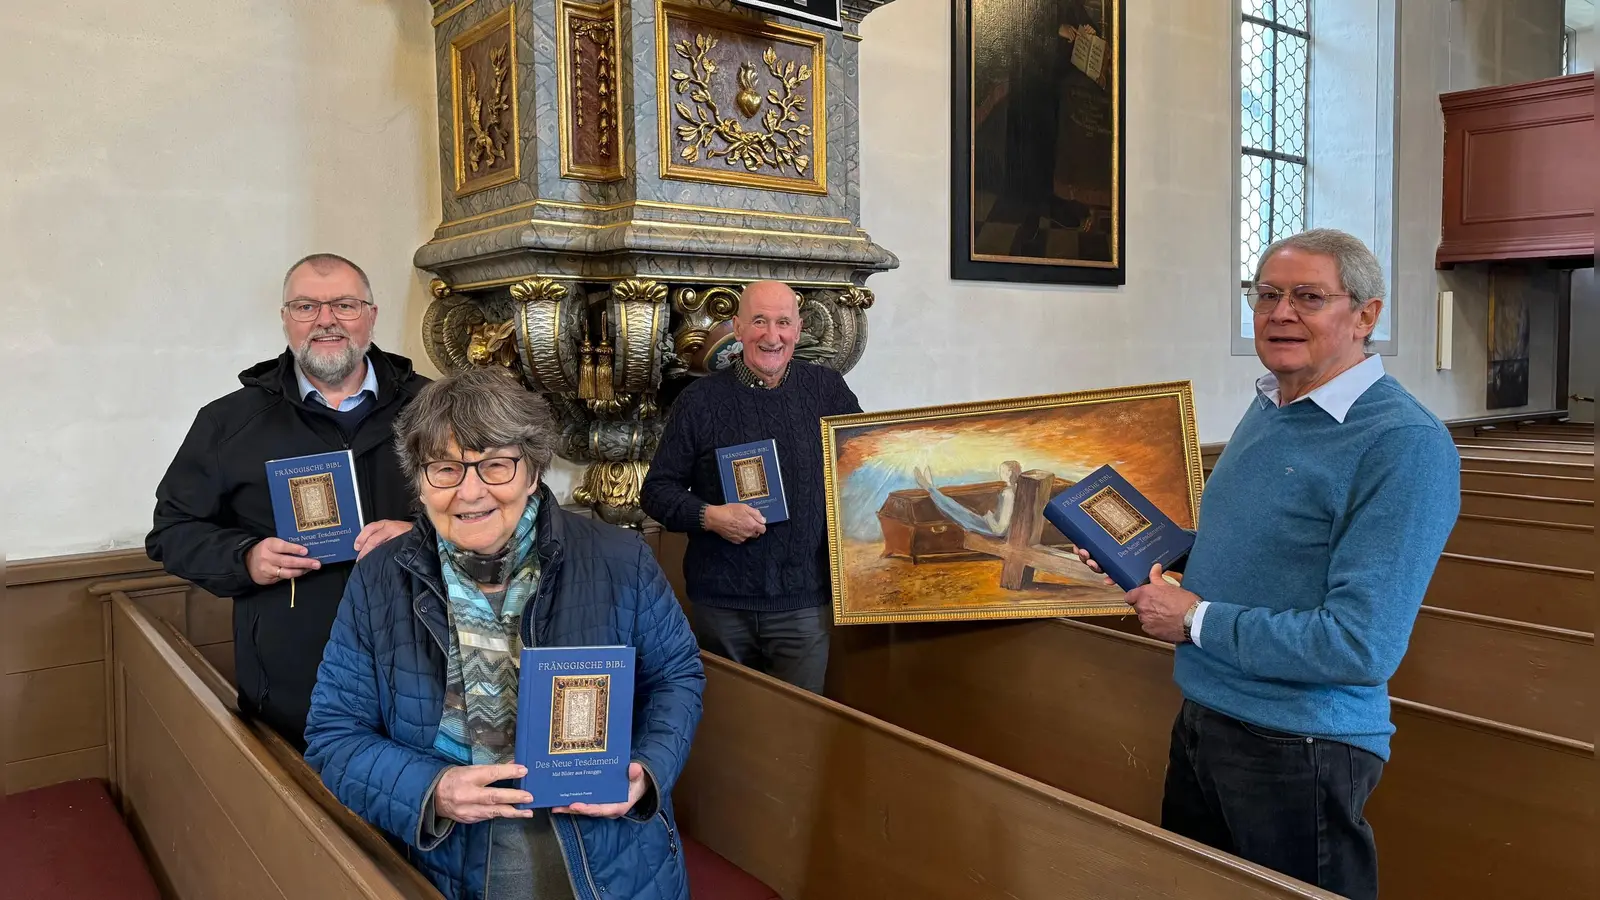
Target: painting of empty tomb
x,y
938,513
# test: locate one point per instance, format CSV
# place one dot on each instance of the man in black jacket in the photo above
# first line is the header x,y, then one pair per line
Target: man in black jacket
x,y
214,526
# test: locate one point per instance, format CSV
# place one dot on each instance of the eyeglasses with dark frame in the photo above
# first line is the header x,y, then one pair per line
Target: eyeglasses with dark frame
x,y
345,308
492,470
1304,298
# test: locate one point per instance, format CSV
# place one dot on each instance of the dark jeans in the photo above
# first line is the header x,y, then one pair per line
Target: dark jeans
x,y
1284,801
791,645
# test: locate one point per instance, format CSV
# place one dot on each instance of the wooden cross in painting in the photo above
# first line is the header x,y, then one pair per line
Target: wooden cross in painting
x,y
1019,549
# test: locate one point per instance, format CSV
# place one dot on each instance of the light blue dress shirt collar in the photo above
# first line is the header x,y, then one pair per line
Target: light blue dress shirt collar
x,y
369,385
1337,396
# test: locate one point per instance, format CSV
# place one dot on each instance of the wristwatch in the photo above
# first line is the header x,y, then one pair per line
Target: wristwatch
x,y
1188,620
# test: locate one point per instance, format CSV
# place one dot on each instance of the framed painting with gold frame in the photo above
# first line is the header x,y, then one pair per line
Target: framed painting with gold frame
x,y
935,513
1037,151
483,99
741,101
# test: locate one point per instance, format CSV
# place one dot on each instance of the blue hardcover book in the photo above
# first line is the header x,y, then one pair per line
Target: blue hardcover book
x,y
750,475
575,724
1124,532
317,503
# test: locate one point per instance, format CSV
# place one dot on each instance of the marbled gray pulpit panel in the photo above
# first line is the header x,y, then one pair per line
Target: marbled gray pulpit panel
x,y
606,239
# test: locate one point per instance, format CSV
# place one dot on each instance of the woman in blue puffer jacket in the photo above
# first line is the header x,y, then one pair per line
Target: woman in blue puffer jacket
x,y
413,719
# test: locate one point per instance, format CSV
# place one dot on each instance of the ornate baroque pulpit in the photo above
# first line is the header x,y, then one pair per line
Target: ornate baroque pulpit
x,y
613,174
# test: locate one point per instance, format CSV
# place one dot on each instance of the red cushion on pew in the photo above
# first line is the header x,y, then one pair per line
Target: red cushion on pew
x,y
713,878
68,841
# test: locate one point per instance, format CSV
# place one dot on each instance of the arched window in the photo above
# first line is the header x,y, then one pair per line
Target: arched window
x,y
1316,133
1274,95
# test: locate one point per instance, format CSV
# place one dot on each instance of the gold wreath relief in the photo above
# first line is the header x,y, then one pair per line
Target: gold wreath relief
x,y
781,142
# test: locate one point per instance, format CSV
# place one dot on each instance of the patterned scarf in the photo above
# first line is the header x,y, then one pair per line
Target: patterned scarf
x,y
478,726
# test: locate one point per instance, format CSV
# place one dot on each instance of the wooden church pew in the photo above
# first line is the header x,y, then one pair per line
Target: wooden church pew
x,y
1531,442
1522,506
1529,676
1520,540
1089,710
1581,457
214,811
710,874
1480,461
1573,487
812,798
822,801
1541,595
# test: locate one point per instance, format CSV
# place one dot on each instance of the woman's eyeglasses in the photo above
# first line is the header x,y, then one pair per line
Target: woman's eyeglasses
x,y
449,473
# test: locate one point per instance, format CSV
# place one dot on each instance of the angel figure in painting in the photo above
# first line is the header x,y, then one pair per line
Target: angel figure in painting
x,y
994,523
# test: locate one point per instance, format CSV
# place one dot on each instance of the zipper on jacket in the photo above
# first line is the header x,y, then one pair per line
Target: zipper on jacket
x,y
672,837
583,857
488,857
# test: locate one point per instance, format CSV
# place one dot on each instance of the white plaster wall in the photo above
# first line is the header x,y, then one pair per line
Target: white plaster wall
x,y
165,160
1584,46
935,340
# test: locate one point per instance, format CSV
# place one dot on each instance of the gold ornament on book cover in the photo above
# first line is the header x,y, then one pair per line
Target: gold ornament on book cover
x,y
315,505
1115,514
750,478
578,713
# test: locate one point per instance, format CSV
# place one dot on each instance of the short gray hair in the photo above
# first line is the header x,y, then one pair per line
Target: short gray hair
x,y
1359,271
323,263
479,408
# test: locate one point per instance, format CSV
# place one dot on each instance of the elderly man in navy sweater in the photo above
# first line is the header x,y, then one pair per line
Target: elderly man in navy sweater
x,y
1319,530
759,592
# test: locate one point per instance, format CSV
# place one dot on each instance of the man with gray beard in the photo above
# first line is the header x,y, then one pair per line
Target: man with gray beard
x,y
331,389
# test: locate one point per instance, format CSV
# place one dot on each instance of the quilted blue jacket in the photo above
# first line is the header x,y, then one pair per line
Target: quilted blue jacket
x,y
380,692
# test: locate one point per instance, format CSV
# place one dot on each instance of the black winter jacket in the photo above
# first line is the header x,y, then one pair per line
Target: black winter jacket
x,y
213,506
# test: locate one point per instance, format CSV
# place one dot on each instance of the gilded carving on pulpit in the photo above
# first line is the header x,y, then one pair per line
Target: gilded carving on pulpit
x,y
483,77
936,513
591,120
741,101
1037,149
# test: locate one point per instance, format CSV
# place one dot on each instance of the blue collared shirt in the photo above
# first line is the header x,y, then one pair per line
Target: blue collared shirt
x,y
369,385
1336,397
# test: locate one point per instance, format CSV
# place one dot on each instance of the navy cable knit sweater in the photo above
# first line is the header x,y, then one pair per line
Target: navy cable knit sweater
x,y
787,567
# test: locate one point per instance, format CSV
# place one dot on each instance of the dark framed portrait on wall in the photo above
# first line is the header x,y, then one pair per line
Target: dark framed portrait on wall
x,y
1037,181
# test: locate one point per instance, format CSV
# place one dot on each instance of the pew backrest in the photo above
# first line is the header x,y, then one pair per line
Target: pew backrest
x,y
1522,836
1575,487
1485,462
1530,676
1542,595
215,812
821,801
1522,540
1521,506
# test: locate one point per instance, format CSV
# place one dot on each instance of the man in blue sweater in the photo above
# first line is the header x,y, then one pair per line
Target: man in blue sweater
x,y
759,593
1319,530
